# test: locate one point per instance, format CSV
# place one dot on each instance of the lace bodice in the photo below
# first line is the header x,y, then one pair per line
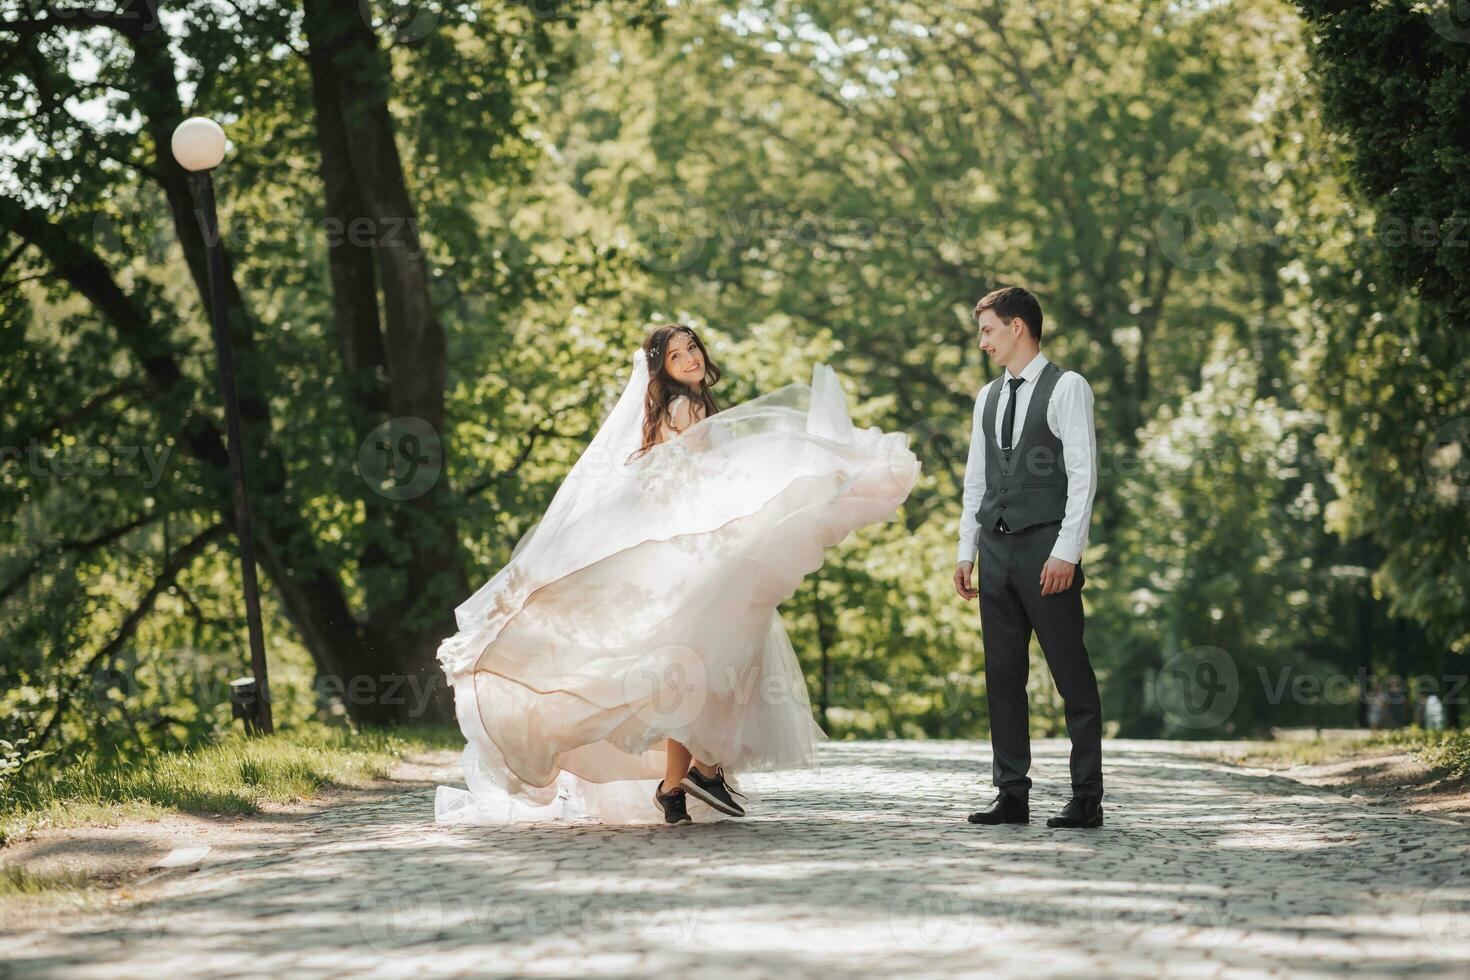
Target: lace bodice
x,y
683,412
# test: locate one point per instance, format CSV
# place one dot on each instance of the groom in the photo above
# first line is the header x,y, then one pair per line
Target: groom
x,y
1029,484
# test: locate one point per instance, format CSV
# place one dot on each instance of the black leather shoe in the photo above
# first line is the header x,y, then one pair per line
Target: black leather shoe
x,y
1005,808
712,790
1080,811
672,804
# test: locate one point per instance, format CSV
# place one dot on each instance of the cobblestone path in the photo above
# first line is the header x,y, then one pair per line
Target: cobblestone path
x,y
867,867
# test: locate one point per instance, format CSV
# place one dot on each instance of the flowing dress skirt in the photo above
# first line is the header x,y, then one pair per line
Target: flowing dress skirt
x,y
650,613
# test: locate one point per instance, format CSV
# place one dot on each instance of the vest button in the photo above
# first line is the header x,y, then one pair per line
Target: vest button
x,y
1002,506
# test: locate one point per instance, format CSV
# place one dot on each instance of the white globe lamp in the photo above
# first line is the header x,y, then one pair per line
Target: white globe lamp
x,y
198,144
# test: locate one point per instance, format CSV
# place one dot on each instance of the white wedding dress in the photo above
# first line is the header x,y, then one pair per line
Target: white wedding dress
x,y
642,606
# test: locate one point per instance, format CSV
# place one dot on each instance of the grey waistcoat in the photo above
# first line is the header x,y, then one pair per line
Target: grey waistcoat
x,y
1028,484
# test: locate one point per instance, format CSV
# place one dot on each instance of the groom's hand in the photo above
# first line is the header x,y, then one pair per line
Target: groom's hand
x,y
962,584
1056,576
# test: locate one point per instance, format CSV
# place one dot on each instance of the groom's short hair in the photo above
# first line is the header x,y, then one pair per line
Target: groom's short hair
x,y
1013,301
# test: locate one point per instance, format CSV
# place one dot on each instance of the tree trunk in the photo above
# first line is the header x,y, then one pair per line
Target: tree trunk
x,y
358,328
363,173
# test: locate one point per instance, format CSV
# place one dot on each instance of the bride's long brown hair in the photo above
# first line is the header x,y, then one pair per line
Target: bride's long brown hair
x,y
662,389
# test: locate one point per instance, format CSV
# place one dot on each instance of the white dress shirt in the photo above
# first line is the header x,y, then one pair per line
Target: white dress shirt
x,y
1069,416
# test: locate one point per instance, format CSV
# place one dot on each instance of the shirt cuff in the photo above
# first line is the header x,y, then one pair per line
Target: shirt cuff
x,y
1067,551
966,553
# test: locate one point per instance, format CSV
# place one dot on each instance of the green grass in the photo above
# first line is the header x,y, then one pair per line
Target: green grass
x,y
1445,754
1448,753
233,775
16,881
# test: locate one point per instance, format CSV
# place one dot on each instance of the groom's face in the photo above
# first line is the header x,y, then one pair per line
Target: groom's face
x,y
997,337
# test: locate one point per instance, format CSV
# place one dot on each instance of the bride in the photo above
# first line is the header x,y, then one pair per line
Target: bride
x,y
629,662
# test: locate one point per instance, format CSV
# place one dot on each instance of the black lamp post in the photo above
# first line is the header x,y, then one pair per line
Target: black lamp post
x,y
199,146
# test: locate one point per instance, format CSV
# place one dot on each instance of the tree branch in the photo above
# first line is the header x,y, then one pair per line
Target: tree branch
x,y
78,414
542,428
80,546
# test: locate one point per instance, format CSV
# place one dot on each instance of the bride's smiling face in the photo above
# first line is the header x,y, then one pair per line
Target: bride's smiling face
x,y
683,362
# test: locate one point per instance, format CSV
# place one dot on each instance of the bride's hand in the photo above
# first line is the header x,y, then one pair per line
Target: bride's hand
x,y
962,581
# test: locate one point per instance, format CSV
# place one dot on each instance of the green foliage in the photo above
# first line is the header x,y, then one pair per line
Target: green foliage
x,y
1395,79
1160,177
14,757
1447,753
1394,76
804,181
1226,558
109,640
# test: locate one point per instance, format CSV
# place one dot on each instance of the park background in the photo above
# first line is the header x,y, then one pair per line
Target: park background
x,y
1246,222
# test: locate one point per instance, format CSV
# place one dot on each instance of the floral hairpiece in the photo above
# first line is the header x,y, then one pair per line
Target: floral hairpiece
x,y
655,355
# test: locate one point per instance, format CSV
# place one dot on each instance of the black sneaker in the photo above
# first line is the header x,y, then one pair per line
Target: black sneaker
x,y
672,804
712,790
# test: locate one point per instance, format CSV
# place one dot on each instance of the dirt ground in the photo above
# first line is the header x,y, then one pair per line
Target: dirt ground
x,y
1387,778
117,859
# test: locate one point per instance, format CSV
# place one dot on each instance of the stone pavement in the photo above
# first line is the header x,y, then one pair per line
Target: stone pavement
x,y
866,868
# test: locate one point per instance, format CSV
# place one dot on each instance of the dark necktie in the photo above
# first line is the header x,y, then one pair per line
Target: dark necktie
x,y
1008,424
